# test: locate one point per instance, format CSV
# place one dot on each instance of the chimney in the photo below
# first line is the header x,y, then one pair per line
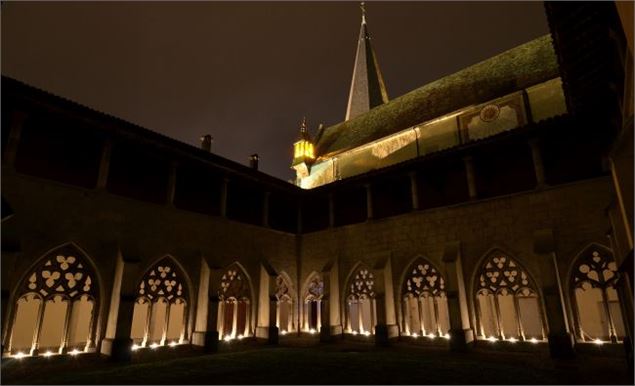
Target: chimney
x,y
253,161
206,143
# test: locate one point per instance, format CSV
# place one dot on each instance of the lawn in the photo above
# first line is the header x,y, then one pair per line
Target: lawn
x,y
340,363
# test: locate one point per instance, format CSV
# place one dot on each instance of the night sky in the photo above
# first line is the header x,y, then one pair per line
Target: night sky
x,y
245,72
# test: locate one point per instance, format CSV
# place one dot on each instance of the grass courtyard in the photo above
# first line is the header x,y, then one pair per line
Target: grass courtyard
x,y
335,363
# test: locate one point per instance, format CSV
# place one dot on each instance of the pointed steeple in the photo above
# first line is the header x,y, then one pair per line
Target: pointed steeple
x,y
367,87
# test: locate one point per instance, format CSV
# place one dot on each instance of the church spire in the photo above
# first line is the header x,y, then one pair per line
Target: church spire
x,y
367,86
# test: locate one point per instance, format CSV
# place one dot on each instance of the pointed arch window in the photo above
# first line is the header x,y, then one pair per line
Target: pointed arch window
x,y
595,300
507,301
235,305
360,302
56,306
285,305
160,311
424,301
312,304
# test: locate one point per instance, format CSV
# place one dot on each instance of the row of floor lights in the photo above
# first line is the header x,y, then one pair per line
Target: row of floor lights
x,y
48,354
153,346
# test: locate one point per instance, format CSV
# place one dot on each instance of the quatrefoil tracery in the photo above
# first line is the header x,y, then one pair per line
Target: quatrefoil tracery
x,y
424,278
162,281
315,289
61,273
232,285
595,270
500,274
363,284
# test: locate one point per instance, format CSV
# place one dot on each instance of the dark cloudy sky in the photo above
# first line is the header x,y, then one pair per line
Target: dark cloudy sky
x,y
245,72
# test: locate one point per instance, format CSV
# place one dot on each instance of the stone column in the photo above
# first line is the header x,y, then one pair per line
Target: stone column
x,y
369,202
171,190
120,348
414,190
266,321
104,164
461,334
330,320
561,341
539,168
15,129
223,197
471,179
385,319
200,321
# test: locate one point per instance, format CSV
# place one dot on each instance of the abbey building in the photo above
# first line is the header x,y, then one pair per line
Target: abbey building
x,y
492,205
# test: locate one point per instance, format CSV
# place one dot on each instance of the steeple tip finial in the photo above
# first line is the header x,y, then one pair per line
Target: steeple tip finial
x,y
303,125
363,8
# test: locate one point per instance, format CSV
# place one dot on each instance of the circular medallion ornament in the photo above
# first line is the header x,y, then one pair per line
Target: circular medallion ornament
x,y
489,113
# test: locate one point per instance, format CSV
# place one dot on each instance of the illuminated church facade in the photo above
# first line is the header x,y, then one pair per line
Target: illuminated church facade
x,y
492,205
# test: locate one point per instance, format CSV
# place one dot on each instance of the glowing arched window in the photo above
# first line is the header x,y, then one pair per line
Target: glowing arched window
x,y
424,302
507,301
284,309
234,308
312,304
160,312
361,302
596,304
56,306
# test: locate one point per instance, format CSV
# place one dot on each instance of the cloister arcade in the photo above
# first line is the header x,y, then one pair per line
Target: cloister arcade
x,y
56,305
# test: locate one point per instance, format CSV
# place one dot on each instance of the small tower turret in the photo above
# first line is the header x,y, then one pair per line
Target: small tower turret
x,y
303,152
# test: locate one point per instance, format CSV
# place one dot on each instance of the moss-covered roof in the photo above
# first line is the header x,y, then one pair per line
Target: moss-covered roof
x,y
515,69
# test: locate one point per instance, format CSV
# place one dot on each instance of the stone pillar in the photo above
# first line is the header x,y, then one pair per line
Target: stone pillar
x,y
15,129
4,302
126,274
414,190
369,202
265,209
223,197
104,164
561,341
331,211
330,320
471,179
266,321
461,335
539,168
385,319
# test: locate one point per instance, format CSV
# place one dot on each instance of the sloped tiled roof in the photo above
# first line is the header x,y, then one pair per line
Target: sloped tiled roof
x,y
512,70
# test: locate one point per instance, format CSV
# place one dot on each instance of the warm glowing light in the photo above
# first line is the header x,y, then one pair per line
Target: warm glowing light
x,y
227,338
431,336
154,346
47,354
533,340
172,344
135,347
415,335
513,340
283,333
354,332
446,336
74,352
303,149
598,342
240,337
492,339
19,355
366,333
312,331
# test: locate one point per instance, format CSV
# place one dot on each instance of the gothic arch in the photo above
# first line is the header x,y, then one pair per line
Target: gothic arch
x,y
55,306
592,295
235,292
424,307
506,298
287,303
163,305
360,308
312,293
